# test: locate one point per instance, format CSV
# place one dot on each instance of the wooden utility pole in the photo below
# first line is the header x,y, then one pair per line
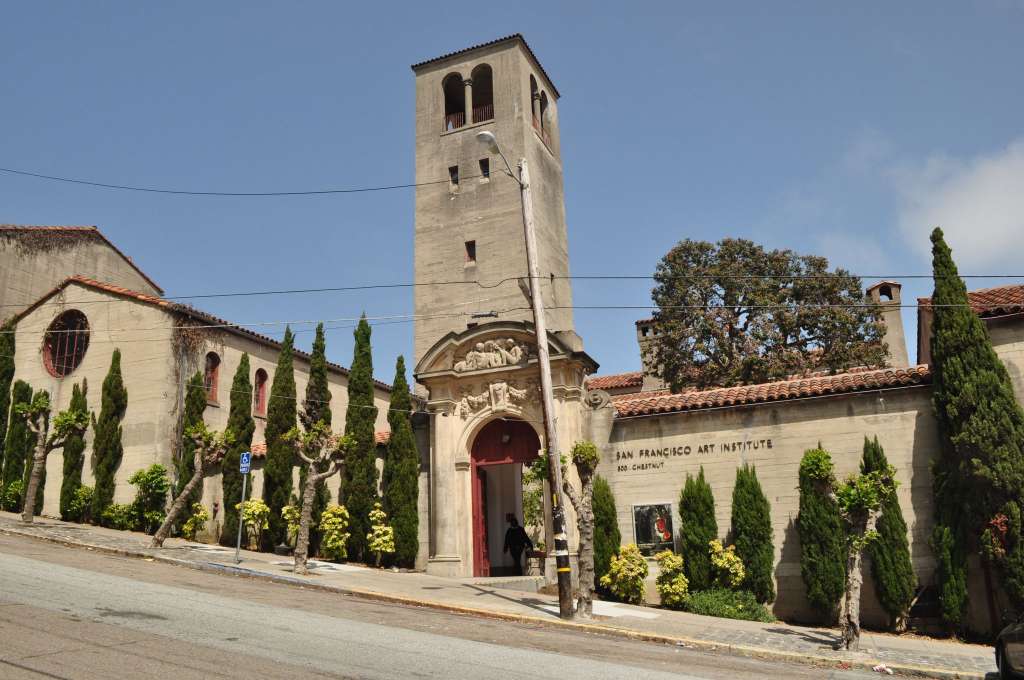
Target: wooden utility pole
x,y
547,403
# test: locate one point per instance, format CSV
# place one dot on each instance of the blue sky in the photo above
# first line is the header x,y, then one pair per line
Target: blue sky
x,y
841,129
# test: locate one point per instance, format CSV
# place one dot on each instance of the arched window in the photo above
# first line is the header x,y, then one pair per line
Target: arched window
x,y
483,93
545,121
535,102
65,343
454,102
210,375
259,393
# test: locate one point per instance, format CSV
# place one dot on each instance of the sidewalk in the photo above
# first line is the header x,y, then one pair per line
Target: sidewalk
x,y
913,656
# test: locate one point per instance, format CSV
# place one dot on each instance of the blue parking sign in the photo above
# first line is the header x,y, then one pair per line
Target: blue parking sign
x,y
244,461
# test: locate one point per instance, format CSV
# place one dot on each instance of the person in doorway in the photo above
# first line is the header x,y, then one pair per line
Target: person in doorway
x,y
516,541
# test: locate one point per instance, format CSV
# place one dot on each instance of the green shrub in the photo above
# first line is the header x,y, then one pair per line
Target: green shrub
x,y
120,516
333,525
80,505
607,537
291,514
726,566
150,504
822,536
381,539
626,573
196,523
697,527
12,495
255,516
673,588
728,604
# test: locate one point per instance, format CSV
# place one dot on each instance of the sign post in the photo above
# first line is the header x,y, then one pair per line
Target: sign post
x,y
244,462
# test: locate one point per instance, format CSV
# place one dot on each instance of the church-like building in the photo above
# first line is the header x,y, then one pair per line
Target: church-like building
x,y
477,382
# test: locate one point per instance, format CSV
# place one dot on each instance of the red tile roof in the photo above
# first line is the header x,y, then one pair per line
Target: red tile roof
x,y
260,450
988,302
204,318
85,233
617,381
651,403
507,38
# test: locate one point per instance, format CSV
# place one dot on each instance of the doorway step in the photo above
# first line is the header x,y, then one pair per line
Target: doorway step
x,y
525,584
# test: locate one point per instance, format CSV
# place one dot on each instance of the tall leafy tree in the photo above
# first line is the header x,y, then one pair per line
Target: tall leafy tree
x,y
281,418
6,377
891,568
752,533
732,312
316,409
19,442
698,528
360,481
607,537
239,431
74,454
979,476
822,535
400,478
107,448
192,415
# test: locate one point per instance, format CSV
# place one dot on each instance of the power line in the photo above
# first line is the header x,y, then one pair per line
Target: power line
x,y
183,192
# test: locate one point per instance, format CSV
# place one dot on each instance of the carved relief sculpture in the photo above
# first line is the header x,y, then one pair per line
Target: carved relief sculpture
x,y
499,395
491,354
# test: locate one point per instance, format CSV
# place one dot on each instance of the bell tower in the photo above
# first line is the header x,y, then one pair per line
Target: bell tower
x,y
469,245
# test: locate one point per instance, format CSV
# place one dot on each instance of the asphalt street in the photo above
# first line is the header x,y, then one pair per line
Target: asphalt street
x,y
72,613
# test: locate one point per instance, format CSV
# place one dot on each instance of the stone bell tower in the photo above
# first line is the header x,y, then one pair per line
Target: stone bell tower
x,y
469,225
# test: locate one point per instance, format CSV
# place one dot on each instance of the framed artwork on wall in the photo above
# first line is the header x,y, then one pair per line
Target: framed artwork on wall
x,y
652,527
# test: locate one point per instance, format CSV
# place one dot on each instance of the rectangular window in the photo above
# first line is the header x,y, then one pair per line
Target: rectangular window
x,y
470,252
453,176
485,169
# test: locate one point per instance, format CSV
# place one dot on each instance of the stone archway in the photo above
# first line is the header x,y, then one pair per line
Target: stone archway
x,y
499,450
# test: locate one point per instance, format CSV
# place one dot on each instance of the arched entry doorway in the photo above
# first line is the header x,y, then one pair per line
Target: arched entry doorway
x,y
499,452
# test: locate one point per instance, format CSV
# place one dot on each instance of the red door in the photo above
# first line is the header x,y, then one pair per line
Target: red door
x,y
499,442
481,556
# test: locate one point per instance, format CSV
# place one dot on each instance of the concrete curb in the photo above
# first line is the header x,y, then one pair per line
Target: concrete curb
x,y
592,628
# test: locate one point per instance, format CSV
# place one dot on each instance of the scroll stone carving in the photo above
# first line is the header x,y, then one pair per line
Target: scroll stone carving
x,y
596,399
491,354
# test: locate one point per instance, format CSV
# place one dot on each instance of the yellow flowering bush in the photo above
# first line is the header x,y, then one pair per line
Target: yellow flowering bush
x,y
196,523
381,536
291,514
626,574
333,529
673,588
727,565
255,517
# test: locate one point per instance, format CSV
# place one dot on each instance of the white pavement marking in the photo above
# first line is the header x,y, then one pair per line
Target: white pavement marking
x,y
609,609
330,644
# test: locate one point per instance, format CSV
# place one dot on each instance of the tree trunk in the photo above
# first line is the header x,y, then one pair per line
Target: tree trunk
x,y
850,616
305,518
35,476
585,601
176,507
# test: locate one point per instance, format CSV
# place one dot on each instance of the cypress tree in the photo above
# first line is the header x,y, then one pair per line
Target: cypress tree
x,y
698,529
74,455
822,537
19,442
107,448
195,405
316,408
241,425
891,568
400,482
980,470
607,537
6,377
277,471
360,482
752,534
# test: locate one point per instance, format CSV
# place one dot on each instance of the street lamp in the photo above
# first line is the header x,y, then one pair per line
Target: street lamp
x,y
490,142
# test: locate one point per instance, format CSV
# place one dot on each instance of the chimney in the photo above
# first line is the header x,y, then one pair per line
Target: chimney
x,y
645,332
886,294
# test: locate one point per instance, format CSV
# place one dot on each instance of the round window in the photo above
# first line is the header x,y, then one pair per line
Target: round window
x,y
65,343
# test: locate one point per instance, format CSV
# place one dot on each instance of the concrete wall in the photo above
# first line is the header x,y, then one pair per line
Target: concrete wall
x,y
26,274
773,438
485,211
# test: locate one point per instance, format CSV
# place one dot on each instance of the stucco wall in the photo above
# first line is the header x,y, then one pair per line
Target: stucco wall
x,y
27,275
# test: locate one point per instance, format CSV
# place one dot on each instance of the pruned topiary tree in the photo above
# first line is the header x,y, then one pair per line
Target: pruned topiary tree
x,y
241,426
698,527
360,482
107,448
400,479
18,449
585,458
822,538
607,537
281,419
74,458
